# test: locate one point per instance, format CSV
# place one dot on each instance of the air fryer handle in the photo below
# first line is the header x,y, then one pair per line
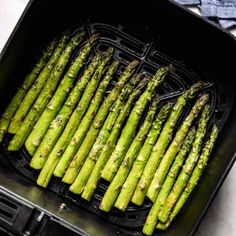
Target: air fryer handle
x,y
14,214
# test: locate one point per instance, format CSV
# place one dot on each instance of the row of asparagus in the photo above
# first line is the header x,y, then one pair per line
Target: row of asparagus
x,y
75,130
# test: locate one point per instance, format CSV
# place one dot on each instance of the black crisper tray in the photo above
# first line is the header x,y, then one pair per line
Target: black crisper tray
x,y
155,41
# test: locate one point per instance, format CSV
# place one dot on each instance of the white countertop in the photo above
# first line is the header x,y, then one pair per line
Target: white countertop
x,y
221,217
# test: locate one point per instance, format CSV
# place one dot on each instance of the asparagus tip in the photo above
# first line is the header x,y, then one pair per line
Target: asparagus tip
x,y
195,88
79,34
205,96
66,33
52,45
214,131
155,99
134,63
109,52
143,82
169,68
94,38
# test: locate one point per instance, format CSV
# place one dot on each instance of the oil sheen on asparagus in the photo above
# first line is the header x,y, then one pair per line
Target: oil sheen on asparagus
x,y
90,119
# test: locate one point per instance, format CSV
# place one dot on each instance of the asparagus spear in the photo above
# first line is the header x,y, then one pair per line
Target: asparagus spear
x,y
57,125
93,131
58,98
152,219
168,159
74,123
187,169
163,226
201,164
83,127
129,130
110,144
22,90
60,120
44,96
54,157
114,188
162,143
87,120
35,89
131,182
80,181
76,116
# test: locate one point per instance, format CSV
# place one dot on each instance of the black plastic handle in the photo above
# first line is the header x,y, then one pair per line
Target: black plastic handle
x,y
14,215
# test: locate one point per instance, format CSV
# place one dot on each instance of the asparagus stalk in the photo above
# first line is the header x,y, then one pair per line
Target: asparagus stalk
x,y
58,98
60,120
131,182
108,125
129,130
57,125
74,123
201,164
56,154
152,218
114,188
80,181
163,226
44,96
77,115
93,131
27,102
54,157
169,157
22,90
187,169
110,144
162,143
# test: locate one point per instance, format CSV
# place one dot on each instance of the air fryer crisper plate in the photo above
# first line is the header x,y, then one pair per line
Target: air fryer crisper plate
x,y
147,50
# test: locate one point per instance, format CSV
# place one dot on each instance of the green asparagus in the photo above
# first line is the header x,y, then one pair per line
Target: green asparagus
x,y
22,90
58,98
58,150
31,96
44,96
54,157
162,143
187,169
83,127
195,175
114,188
152,219
201,164
110,144
129,130
60,120
131,182
169,157
94,129
80,181
163,226
76,116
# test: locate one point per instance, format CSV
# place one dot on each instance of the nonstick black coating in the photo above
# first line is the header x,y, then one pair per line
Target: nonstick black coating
x,y
157,34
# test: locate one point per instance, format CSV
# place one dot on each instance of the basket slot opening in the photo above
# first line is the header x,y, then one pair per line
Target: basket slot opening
x,y
8,203
5,213
131,46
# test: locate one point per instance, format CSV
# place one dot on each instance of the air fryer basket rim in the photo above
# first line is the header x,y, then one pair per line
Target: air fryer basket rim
x,y
184,9
210,25
14,31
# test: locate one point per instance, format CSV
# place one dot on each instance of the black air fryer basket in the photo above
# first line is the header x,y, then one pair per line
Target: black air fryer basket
x,y
156,33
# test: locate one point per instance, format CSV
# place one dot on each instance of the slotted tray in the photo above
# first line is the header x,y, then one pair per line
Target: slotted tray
x,y
128,46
